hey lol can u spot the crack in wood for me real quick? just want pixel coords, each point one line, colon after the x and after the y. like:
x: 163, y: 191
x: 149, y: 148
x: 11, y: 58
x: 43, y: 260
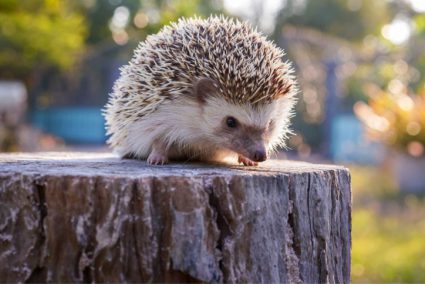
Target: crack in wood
x: 123, y: 221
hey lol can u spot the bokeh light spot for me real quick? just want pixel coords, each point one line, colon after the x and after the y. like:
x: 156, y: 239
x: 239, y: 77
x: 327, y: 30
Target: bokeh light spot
x: 141, y: 20
x: 120, y: 37
x: 120, y: 18
x: 418, y: 5
x: 415, y: 148
x: 398, y: 31
x: 413, y: 128
x: 405, y: 103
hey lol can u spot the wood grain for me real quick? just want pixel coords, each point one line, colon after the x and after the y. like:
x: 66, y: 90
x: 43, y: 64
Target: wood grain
x: 90, y: 217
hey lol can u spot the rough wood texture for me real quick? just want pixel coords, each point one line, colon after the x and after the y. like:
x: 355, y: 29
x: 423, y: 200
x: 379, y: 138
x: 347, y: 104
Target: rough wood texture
x: 73, y: 217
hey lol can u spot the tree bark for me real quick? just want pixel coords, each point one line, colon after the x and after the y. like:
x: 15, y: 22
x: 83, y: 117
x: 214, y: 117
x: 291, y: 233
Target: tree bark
x: 74, y: 217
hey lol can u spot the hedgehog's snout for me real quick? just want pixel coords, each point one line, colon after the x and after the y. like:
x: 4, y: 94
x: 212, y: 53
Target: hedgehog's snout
x: 259, y: 156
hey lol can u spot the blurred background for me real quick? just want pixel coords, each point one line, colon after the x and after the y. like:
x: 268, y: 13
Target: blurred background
x: 360, y: 66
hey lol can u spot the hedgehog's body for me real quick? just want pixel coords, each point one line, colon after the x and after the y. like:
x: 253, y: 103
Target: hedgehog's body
x: 202, y: 89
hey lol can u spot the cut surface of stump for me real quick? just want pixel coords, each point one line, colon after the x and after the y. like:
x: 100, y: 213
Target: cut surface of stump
x: 92, y: 217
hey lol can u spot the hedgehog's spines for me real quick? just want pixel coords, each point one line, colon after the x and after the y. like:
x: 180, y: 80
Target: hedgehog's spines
x: 246, y: 67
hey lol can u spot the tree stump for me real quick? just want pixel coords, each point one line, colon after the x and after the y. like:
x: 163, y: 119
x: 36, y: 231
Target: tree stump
x: 81, y: 217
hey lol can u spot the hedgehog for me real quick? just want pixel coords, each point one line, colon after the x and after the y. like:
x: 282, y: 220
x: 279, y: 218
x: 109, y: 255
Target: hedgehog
x: 209, y: 90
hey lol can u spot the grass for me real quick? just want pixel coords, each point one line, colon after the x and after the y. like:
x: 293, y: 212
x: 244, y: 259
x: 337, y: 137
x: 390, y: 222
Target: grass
x: 388, y: 233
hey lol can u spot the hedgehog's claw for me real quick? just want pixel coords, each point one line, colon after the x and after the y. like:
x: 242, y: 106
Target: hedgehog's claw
x: 246, y: 162
x: 158, y: 155
x: 157, y: 159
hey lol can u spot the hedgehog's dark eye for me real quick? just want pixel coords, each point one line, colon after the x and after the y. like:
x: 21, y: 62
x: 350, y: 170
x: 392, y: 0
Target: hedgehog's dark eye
x: 231, y: 122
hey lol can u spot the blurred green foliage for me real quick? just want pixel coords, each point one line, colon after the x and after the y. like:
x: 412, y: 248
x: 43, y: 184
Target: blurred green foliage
x: 98, y: 14
x: 159, y: 13
x: 172, y: 10
x: 387, y: 230
x: 419, y: 21
x: 387, y: 248
x: 39, y: 33
x: 342, y: 23
x: 43, y: 34
x: 382, y: 61
x: 393, y: 84
x: 403, y: 119
x: 332, y: 16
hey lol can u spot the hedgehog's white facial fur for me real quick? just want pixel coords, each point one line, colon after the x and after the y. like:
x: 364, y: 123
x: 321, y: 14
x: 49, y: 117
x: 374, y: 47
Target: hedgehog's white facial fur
x: 254, y: 130
x: 258, y: 128
x: 190, y: 129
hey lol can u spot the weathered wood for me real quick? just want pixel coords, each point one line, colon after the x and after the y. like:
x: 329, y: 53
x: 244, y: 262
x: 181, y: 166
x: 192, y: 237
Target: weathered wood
x: 73, y: 217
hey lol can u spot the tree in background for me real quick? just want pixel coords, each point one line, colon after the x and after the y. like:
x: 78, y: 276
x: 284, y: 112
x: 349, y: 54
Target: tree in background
x: 68, y: 52
x: 43, y: 34
x: 113, y: 28
x: 318, y: 34
x: 129, y: 21
x: 346, y: 19
x: 38, y: 34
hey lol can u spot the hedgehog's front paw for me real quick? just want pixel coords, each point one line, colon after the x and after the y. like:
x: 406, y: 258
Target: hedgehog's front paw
x: 157, y: 159
x: 246, y: 162
x: 158, y: 155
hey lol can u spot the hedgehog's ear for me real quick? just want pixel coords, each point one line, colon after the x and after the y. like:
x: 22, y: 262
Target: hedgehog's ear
x: 204, y: 88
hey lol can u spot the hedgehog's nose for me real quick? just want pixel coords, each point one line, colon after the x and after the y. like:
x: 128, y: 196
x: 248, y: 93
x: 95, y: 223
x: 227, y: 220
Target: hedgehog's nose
x: 260, y: 155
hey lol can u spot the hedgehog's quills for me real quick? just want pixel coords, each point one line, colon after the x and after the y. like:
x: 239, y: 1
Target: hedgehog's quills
x: 202, y: 90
